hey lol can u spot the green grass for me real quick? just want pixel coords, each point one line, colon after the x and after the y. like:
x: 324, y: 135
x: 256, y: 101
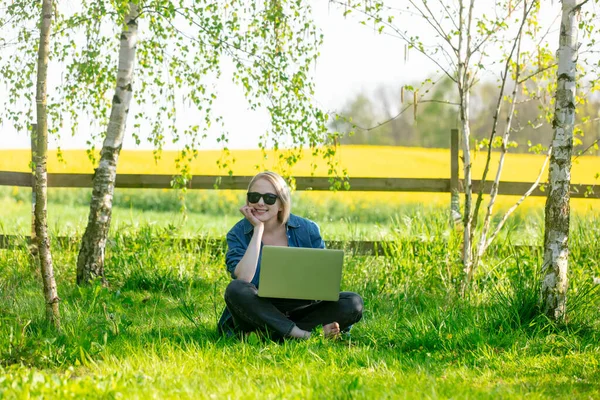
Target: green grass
x: 68, y: 220
x: 151, y: 334
x: 212, y: 214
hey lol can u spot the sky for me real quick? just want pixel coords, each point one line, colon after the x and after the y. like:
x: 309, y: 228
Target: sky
x: 354, y: 59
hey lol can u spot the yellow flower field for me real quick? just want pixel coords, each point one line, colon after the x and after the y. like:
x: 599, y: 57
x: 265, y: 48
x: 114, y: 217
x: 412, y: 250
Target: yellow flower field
x: 361, y: 161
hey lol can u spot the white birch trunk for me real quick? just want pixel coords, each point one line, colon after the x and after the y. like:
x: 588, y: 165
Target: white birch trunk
x: 90, y: 263
x: 481, y: 248
x: 556, y: 235
x: 468, y: 184
x: 517, y: 204
x: 41, y: 173
x: 33, y: 247
x: 485, y: 239
x: 464, y: 92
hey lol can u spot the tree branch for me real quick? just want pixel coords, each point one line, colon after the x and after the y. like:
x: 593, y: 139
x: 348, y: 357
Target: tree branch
x: 435, y: 24
x: 408, y: 106
x: 516, y: 46
x: 536, y: 73
x: 448, y: 14
x: 469, y: 24
x: 513, y: 208
x: 220, y: 41
x: 578, y: 6
x: 401, y: 35
x: 586, y: 149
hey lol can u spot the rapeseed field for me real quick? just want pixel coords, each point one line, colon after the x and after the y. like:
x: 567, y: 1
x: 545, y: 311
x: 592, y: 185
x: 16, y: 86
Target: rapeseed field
x: 360, y: 161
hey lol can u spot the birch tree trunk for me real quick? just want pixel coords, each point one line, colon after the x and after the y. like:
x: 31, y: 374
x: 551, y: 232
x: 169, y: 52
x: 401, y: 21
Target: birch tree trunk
x: 483, y: 240
x: 467, y: 243
x: 90, y: 262
x: 41, y: 174
x: 464, y: 52
x: 33, y: 246
x: 557, y: 213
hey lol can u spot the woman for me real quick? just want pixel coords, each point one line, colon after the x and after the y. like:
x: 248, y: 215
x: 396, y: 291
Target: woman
x: 268, y: 221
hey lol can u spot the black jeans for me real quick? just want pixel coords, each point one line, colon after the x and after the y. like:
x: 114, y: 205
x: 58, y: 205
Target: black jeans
x: 279, y: 316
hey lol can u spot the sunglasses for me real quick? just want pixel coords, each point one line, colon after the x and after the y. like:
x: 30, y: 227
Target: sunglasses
x: 269, y: 198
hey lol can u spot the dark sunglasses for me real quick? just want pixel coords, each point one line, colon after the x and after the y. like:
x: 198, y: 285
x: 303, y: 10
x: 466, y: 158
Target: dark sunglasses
x: 269, y: 198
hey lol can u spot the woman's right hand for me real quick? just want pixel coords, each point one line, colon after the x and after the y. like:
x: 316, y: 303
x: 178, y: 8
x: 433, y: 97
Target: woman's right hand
x: 246, y: 268
x: 248, y: 212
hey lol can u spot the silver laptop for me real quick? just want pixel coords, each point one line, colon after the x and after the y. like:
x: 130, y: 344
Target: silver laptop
x: 300, y: 273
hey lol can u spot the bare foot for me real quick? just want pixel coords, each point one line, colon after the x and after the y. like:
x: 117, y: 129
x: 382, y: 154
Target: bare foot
x: 299, y: 333
x: 331, y: 330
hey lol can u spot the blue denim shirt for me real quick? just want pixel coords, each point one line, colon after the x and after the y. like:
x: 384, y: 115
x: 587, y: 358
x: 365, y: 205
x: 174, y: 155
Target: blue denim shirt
x: 301, y: 232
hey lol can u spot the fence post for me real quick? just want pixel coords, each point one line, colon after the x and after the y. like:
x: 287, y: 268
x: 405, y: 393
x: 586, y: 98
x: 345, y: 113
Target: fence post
x: 455, y: 216
x: 33, y: 249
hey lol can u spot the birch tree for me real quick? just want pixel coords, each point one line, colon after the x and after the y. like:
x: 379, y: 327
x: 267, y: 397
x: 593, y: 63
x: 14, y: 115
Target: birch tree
x: 41, y: 173
x: 457, y: 43
x: 90, y: 262
x: 557, y: 212
x: 272, y: 46
x: 26, y: 50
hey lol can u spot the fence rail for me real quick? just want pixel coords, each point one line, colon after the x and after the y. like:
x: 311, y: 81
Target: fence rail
x: 428, y: 185
x: 362, y: 247
x: 452, y: 185
x: 133, y: 181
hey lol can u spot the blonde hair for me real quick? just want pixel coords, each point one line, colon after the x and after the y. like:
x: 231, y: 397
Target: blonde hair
x: 282, y: 191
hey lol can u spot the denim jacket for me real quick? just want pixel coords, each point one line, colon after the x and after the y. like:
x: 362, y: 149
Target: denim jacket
x: 301, y: 232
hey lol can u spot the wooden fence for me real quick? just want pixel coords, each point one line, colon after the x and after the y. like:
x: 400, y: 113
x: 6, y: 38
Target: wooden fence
x: 452, y: 185
x: 135, y: 181
x: 24, y: 179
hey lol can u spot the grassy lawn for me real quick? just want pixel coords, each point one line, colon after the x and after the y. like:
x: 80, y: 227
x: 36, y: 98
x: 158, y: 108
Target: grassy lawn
x: 412, y: 222
x: 194, y: 367
x: 151, y: 334
x: 70, y: 220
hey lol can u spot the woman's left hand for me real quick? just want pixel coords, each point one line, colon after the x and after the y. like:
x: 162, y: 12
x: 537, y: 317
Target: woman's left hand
x: 248, y: 212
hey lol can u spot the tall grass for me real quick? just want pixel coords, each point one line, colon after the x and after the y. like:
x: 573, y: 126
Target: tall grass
x: 209, y: 212
x: 319, y: 206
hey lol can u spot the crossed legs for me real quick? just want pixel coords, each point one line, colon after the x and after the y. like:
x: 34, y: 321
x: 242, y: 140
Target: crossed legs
x: 290, y: 317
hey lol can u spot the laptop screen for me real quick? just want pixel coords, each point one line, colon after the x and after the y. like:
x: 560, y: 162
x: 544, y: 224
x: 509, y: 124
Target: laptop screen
x: 300, y: 273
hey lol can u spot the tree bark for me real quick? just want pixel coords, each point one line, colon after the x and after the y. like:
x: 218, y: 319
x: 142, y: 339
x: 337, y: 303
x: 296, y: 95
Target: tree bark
x: 464, y: 50
x: 33, y: 247
x: 90, y: 262
x: 557, y: 212
x: 41, y: 174
x: 455, y: 216
x: 468, y: 213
